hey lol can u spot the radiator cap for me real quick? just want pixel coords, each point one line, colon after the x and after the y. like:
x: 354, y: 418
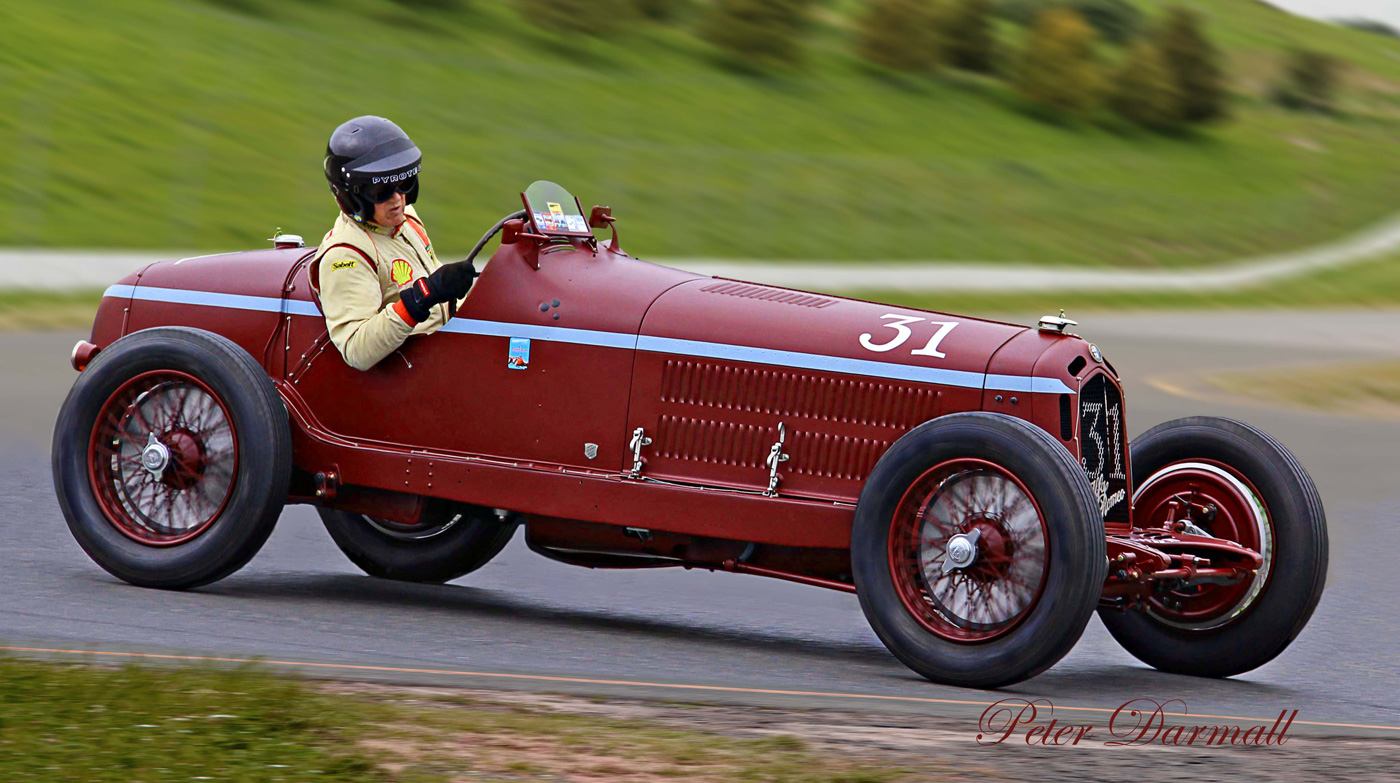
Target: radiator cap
x: 284, y: 241
x: 1056, y: 323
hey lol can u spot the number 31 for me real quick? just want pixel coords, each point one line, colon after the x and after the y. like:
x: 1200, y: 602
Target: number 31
x: 903, y: 332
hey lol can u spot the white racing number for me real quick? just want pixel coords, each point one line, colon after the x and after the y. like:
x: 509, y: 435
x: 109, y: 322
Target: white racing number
x: 1100, y: 475
x: 900, y: 324
x: 902, y: 333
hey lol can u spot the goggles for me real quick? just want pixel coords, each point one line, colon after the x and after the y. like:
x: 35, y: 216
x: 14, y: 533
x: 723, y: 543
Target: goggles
x: 381, y: 192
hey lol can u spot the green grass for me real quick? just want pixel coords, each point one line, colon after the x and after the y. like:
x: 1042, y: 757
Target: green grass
x: 28, y: 309
x: 156, y: 123
x: 69, y: 723
x: 66, y: 722
x: 1364, y: 388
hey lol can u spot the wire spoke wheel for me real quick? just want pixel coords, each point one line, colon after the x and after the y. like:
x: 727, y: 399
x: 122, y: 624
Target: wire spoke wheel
x: 172, y: 457
x: 163, y: 458
x: 1214, y: 499
x: 978, y: 550
x: 968, y: 550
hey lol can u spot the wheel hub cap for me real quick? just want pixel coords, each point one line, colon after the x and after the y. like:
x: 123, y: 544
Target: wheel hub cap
x: 962, y: 550
x: 155, y: 457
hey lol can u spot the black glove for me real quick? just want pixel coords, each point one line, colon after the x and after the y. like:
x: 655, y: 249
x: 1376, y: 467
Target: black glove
x: 449, y: 283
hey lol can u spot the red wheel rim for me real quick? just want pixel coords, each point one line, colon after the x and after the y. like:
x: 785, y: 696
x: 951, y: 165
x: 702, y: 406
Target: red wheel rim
x: 162, y: 458
x: 991, y: 594
x: 1178, y: 491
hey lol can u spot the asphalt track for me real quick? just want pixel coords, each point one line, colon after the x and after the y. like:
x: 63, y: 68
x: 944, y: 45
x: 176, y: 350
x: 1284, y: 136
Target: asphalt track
x: 525, y: 622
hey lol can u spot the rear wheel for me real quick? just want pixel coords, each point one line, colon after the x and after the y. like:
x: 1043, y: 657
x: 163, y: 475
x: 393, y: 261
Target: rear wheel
x: 1241, y: 485
x: 171, y: 458
x: 452, y: 540
x: 978, y: 550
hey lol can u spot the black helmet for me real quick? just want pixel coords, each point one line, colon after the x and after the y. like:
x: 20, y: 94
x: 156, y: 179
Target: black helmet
x: 367, y: 160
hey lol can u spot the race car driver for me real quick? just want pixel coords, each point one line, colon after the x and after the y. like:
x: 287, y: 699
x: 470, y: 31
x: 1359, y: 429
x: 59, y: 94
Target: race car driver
x: 375, y: 272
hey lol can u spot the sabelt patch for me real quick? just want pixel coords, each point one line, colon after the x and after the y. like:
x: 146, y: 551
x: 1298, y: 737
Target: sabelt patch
x: 348, y: 263
x: 400, y: 272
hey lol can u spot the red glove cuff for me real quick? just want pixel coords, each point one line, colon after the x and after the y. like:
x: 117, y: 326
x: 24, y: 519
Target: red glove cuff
x: 402, y: 312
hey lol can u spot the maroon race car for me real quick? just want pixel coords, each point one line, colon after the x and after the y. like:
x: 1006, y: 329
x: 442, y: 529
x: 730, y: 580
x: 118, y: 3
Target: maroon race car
x: 969, y: 480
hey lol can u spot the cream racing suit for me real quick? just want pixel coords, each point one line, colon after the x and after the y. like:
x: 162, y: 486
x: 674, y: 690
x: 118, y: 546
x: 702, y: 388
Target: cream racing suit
x: 358, y: 272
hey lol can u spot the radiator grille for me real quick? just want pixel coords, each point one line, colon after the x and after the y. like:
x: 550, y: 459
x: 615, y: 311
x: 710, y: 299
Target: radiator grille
x: 1103, y: 447
x: 794, y: 394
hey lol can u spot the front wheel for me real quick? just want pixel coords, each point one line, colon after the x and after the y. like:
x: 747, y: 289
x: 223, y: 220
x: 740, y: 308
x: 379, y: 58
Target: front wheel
x: 171, y: 458
x: 978, y: 550
x: 1243, y: 486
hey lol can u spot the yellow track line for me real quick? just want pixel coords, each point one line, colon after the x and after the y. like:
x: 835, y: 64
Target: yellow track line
x: 1160, y: 383
x: 634, y: 683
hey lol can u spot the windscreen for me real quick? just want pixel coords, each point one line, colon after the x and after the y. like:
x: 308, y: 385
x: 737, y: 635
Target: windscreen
x: 554, y: 212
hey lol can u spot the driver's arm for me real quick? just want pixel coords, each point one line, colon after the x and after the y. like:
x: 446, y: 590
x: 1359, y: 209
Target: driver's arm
x: 360, y: 326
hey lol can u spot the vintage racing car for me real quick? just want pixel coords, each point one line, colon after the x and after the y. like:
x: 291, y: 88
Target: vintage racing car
x: 969, y: 481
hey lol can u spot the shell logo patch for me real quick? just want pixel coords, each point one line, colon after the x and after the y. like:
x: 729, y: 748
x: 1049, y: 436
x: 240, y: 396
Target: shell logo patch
x: 400, y: 272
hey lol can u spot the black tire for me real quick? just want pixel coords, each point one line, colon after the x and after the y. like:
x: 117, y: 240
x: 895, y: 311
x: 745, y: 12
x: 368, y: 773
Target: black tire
x: 1297, y: 569
x: 1073, y: 571
x: 256, y: 490
x: 453, y: 541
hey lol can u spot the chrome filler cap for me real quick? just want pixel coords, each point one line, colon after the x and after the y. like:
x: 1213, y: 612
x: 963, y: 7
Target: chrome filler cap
x: 1056, y: 323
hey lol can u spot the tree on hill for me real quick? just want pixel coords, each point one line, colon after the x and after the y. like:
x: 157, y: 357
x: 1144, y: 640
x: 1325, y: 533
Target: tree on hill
x: 902, y: 35
x: 969, y: 41
x: 590, y: 17
x: 1143, y: 90
x: 1117, y: 21
x: 1369, y: 26
x: 1057, y: 72
x: 1309, y: 81
x: 1195, y: 64
x: 761, y: 33
x: 663, y: 10
x: 439, y: 5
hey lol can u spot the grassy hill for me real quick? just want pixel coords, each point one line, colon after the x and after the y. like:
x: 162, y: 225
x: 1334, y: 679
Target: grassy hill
x: 201, y: 124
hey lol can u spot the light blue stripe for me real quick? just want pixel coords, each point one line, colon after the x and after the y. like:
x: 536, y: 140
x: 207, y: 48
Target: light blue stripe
x: 263, y: 304
x: 559, y: 334
x: 1027, y: 385
x: 556, y: 334
x: 811, y: 361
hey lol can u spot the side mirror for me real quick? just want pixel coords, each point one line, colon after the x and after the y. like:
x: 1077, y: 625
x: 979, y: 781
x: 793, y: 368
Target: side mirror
x: 510, y: 232
x: 602, y: 218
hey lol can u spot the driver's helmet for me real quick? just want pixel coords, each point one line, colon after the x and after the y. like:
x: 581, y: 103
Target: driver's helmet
x: 368, y: 159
